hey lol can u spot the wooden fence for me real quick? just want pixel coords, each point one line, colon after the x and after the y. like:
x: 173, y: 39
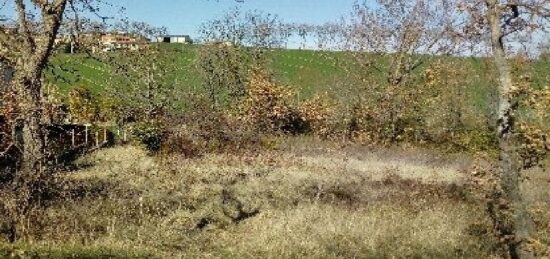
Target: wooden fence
x: 63, y: 142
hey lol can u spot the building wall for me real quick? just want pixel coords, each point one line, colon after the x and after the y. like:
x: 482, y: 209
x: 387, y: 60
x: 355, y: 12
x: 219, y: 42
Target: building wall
x: 179, y: 40
x: 173, y: 39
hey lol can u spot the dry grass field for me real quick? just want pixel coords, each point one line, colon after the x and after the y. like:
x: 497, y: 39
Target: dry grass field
x: 303, y: 199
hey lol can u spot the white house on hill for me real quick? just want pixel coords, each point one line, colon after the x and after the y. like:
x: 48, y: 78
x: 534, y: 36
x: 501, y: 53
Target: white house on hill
x: 183, y: 39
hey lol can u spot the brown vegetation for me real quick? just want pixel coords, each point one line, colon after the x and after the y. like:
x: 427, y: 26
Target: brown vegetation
x: 305, y: 199
x: 246, y: 168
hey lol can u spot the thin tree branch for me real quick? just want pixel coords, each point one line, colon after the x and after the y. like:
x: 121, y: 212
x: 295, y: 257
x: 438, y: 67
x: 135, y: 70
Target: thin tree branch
x: 24, y: 28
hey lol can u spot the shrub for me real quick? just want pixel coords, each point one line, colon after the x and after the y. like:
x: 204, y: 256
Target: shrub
x: 149, y: 135
x: 179, y: 141
x: 267, y: 106
x: 223, y: 72
x: 83, y: 105
x: 207, y: 130
x: 319, y: 115
x: 359, y: 128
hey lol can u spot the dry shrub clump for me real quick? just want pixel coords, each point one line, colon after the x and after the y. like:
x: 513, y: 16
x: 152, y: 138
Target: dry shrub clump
x: 361, y: 126
x: 207, y: 129
x: 267, y: 106
x: 217, y: 133
x: 319, y: 113
x: 534, y: 133
x: 266, y: 110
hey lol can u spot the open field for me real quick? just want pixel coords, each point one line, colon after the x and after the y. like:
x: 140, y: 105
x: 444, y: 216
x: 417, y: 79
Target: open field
x: 399, y: 129
x: 302, y: 199
x: 307, y: 71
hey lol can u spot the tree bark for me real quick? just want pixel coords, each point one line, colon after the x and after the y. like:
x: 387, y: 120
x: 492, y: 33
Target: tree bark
x: 34, y: 57
x: 32, y: 144
x: 36, y: 49
x: 516, y: 222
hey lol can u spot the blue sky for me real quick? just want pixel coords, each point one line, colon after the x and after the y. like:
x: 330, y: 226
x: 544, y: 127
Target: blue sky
x: 185, y: 16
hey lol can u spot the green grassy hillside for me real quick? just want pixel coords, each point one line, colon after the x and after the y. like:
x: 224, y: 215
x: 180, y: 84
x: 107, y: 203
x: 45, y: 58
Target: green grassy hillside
x: 307, y: 71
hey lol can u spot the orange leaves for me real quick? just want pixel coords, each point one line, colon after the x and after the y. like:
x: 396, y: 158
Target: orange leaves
x: 533, y: 131
x: 267, y: 106
x: 535, y: 144
x: 319, y: 113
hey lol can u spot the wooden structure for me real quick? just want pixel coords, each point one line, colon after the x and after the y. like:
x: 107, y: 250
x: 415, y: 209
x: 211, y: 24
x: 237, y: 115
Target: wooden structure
x: 116, y: 41
x: 66, y: 142
x: 63, y: 143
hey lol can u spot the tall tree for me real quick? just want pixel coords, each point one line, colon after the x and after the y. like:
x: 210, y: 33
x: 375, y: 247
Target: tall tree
x: 235, y: 43
x: 144, y: 82
x: 500, y: 21
x: 27, y: 45
x: 34, y: 45
x: 395, y: 38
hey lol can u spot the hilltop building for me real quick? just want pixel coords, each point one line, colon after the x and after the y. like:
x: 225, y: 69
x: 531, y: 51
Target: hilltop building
x: 115, y: 41
x: 181, y: 39
x: 105, y: 42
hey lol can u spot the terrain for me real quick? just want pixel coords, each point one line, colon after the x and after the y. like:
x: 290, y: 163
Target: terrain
x: 307, y: 71
x: 302, y: 198
x: 298, y: 195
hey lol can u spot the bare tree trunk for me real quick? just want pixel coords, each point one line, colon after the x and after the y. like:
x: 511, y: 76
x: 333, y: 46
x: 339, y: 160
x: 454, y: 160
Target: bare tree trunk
x: 37, y: 50
x: 31, y: 143
x: 395, y: 78
x: 514, y: 223
x: 34, y: 52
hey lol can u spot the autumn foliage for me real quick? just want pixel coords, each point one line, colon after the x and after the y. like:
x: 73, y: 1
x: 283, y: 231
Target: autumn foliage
x: 267, y: 106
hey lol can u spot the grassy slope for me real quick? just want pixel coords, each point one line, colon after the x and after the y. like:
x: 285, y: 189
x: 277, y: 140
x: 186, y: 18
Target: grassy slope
x: 309, y: 72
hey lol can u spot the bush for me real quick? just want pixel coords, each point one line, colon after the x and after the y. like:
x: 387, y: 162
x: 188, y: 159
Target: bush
x: 151, y: 136
x: 83, y: 105
x: 207, y: 130
x: 267, y: 107
x: 319, y: 115
x: 180, y: 141
x: 223, y: 72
